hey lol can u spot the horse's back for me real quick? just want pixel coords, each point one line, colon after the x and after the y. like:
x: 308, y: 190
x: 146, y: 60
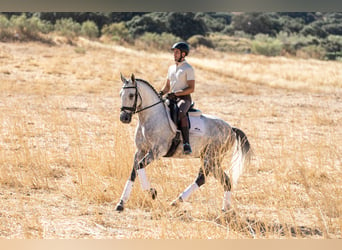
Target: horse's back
x: 215, y: 126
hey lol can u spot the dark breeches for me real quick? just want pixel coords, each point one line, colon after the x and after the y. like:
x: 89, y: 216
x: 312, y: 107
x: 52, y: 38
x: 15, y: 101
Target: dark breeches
x: 183, y: 104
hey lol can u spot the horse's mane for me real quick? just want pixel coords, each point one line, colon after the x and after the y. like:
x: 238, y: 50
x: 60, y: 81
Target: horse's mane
x: 148, y: 84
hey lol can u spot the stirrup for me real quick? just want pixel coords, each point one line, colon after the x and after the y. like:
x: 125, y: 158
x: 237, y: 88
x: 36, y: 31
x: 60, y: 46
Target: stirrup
x: 187, y: 149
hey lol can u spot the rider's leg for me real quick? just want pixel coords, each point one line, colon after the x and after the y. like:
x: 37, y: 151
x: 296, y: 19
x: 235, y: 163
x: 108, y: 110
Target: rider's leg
x: 184, y: 106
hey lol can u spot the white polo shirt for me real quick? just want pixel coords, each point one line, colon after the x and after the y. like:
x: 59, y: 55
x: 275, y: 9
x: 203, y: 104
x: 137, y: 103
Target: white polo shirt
x: 179, y: 75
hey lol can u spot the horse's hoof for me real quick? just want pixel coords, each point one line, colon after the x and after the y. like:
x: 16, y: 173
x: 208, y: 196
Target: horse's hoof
x: 153, y: 193
x: 226, y: 209
x: 119, y: 206
x: 175, y: 203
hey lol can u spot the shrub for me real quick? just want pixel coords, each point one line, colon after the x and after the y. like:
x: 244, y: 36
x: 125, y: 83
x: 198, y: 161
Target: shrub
x: 118, y: 32
x: 314, y: 29
x: 230, y: 43
x: 293, y: 42
x: 162, y: 41
x: 199, y: 40
x: 5, y: 33
x: 89, y: 29
x: 4, y: 22
x: 311, y: 51
x: 23, y: 28
x: 267, y: 46
x: 67, y: 27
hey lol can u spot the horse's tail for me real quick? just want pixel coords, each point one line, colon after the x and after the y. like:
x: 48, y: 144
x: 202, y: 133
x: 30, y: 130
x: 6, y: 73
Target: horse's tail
x: 241, y: 154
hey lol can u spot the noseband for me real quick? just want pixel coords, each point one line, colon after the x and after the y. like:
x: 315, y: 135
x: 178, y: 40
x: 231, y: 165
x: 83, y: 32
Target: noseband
x: 133, y: 109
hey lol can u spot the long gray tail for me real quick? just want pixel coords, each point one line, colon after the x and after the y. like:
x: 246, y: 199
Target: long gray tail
x: 244, y: 143
x: 241, y: 154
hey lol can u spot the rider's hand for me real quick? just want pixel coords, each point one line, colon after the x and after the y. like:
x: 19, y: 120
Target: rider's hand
x: 171, y: 96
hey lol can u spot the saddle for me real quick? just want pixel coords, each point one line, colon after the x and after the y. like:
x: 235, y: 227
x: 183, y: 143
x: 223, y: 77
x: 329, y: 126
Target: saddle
x: 174, y: 113
x: 175, y: 118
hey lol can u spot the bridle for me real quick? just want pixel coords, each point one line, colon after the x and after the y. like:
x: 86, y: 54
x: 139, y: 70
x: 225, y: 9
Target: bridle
x: 133, y: 109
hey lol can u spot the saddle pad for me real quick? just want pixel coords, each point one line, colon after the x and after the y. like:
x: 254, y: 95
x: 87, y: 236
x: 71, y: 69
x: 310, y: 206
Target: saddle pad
x: 196, y: 121
x: 197, y: 125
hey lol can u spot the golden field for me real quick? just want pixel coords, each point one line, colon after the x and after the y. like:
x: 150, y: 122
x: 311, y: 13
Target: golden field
x: 65, y: 156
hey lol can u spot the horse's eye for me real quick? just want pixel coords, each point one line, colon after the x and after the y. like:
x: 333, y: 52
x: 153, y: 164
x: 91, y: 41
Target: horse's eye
x: 131, y: 96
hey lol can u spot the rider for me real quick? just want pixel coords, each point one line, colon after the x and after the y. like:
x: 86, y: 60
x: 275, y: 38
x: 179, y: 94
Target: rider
x: 180, y: 83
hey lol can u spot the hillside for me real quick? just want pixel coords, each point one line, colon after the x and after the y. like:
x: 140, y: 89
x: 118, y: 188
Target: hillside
x: 297, y: 34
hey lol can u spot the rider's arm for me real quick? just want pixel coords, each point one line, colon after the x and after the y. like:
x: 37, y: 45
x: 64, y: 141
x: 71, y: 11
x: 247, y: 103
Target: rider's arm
x: 188, y: 90
x: 166, y: 87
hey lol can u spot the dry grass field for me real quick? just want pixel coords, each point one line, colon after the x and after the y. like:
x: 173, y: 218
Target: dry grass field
x: 65, y: 156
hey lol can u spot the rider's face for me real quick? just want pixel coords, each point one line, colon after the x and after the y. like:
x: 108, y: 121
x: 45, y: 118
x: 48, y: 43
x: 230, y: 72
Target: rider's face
x: 176, y: 54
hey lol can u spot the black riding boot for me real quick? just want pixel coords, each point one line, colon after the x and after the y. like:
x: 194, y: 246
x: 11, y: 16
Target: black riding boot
x: 186, y: 145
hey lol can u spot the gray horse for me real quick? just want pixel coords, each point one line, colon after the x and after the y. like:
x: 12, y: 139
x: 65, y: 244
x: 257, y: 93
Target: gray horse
x: 210, y: 137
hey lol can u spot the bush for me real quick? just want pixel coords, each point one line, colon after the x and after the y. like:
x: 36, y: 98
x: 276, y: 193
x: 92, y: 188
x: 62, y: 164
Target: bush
x: 67, y: 27
x: 89, y: 29
x: 162, y: 41
x: 230, y: 43
x: 199, y: 40
x: 291, y: 25
x: 5, y: 33
x: 118, y: 32
x: 293, y: 42
x: 266, y: 45
x: 22, y: 28
x: 4, y: 22
x: 314, y: 29
x: 311, y: 51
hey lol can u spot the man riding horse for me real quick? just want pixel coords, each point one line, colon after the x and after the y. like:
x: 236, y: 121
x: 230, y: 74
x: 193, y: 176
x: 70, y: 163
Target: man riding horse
x: 180, y: 83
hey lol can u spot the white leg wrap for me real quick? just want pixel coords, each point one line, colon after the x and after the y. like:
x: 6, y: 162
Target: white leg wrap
x: 227, y: 200
x: 127, y: 191
x: 188, y: 191
x: 145, y: 184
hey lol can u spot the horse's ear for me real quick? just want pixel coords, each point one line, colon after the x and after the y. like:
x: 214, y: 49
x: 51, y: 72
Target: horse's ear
x: 133, y: 77
x: 123, y: 79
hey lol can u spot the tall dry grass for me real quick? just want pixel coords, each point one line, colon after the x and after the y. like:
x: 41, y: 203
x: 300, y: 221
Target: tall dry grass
x: 65, y: 157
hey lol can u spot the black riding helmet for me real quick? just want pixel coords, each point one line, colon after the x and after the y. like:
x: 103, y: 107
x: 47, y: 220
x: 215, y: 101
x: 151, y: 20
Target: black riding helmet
x: 182, y: 46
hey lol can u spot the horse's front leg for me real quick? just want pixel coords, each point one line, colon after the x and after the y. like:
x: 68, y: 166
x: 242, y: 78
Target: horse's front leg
x: 140, y: 169
x: 141, y: 160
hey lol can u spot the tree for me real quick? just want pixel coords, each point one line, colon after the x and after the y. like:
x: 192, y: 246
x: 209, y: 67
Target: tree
x: 184, y: 25
x: 255, y: 23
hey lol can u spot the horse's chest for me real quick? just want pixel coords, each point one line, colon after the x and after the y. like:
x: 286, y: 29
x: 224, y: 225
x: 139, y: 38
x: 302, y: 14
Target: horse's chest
x: 149, y: 132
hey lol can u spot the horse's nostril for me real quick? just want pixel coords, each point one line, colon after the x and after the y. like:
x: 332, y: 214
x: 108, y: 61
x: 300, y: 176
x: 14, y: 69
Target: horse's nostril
x: 125, y: 117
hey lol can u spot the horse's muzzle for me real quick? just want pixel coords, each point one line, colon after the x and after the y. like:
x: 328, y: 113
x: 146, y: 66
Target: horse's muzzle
x: 125, y: 117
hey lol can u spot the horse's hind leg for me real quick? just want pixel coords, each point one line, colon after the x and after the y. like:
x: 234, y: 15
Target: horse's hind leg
x: 213, y: 159
x: 208, y: 164
x: 200, y: 180
x: 220, y: 175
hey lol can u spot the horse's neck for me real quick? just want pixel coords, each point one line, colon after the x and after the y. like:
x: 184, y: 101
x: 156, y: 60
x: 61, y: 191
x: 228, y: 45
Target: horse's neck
x: 147, y: 94
x: 148, y: 98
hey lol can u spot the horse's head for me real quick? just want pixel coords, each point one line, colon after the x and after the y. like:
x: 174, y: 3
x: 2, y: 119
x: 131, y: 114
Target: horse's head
x: 129, y: 98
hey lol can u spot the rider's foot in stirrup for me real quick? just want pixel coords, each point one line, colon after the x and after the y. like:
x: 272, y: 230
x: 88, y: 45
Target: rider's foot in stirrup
x: 187, y: 149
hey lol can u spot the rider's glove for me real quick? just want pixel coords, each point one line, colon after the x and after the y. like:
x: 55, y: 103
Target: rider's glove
x: 171, y: 96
